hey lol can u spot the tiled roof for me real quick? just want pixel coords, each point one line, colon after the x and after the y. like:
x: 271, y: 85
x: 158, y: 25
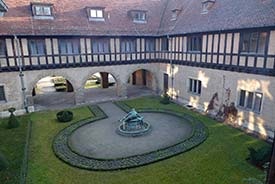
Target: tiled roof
x: 224, y: 15
x: 70, y: 17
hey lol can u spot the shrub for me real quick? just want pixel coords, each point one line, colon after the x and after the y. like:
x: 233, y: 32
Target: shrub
x: 13, y: 121
x: 3, y: 162
x: 64, y: 116
x: 260, y: 156
x: 165, y: 99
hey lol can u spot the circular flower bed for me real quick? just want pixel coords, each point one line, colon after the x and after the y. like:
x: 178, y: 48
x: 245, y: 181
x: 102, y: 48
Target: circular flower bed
x: 66, y: 154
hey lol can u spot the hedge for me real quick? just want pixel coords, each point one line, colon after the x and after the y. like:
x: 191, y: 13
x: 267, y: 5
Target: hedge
x: 63, y: 151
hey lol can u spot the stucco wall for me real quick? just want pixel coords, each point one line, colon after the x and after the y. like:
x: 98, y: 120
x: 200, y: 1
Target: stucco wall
x: 213, y: 81
x: 216, y: 81
x: 76, y: 76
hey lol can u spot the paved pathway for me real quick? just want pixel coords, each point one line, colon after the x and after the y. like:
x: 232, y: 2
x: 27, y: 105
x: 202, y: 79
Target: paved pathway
x: 61, y: 100
x: 100, y: 140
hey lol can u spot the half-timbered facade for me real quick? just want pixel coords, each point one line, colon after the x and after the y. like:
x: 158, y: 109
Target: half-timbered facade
x: 220, y: 52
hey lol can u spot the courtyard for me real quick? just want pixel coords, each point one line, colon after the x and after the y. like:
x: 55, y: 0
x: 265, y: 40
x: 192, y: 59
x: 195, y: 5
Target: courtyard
x: 137, y: 92
x: 220, y: 158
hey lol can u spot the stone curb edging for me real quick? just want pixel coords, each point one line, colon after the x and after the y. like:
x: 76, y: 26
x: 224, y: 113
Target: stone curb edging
x: 62, y: 150
x: 24, y: 167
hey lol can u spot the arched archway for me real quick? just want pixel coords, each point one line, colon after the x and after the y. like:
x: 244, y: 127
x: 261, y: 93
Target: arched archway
x: 141, y: 82
x: 53, y: 92
x: 100, y: 86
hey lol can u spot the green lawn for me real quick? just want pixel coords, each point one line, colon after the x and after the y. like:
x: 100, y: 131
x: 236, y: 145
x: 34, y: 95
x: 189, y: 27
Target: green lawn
x: 12, y: 143
x: 219, y: 160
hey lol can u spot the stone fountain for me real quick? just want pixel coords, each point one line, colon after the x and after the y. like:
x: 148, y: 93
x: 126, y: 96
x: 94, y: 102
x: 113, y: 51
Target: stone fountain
x: 133, y: 125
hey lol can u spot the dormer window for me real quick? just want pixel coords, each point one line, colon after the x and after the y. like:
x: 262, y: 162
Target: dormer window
x: 207, y: 5
x: 175, y: 13
x: 96, y: 13
x: 138, y: 16
x: 42, y: 11
x: 3, y: 8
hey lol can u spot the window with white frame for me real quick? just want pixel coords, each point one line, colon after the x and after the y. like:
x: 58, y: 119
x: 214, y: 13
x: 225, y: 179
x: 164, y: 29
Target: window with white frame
x: 194, y: 86
x: 3, y: 8
x: 207, y: 5
x: 36, y: 47
x: 69, y: 46
x: 128, y: 45
x: 2, y: 94
x: 175, y: 14
x: 253, y: 42
x: 96, y: 13
x: 138, y: 16
x: 194, y: 43
x: 42, y: 10
x: 251, y: 100
x: 100, y: 45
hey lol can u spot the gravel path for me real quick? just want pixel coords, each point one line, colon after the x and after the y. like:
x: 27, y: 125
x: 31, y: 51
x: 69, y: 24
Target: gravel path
x: 100, y: 140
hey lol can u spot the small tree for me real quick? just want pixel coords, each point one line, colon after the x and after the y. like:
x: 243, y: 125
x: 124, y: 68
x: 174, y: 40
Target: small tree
x: 13, y: 121
x: 3, y: 162
x: 165, y: 99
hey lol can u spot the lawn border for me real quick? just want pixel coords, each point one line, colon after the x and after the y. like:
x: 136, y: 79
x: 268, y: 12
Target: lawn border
x: 25, y: 162
x: 62, y: 149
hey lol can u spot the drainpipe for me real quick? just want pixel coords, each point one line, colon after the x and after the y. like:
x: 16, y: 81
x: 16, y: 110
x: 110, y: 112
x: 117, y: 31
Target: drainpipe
x: 21, y: 74
x: 171, y: 66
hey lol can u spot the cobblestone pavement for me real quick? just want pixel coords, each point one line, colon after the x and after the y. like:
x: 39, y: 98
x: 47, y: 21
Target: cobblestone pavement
x: 100, y: 140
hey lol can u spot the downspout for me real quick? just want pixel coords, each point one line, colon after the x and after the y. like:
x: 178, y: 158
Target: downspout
x: 21, y: 74
x: 171, y: 65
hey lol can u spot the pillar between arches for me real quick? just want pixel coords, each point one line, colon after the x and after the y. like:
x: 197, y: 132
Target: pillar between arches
x: 79, y: 96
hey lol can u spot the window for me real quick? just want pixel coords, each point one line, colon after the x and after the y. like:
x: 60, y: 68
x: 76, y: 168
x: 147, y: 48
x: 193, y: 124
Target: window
x: 207, y: 5
x: 2, y: 48
x: 258, y: 102
x: 194, y: 43
x: 175, y: 13
x: 242, y: 98
x: 41, y: 10
x: 96, y: 13
x: 100, y: 45
x: 128, y: 45
x: 150, y: 45
x: 251, y: 100
x: 164, y: 44
x: 37, y: 47
x: 194, y: 86
x: 69, y: 46
x: 3, y: 8
x: 138, y: 16
x: 253, y: 42
x: 2, y: 94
